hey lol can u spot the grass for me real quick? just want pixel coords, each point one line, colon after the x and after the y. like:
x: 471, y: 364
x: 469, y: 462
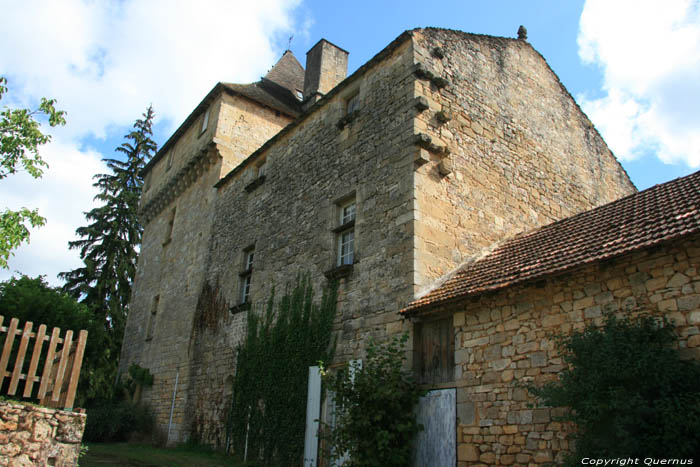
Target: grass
x: 143, y: 455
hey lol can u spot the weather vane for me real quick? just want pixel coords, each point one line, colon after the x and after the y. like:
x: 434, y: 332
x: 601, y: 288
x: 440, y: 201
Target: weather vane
x: 289, y: 44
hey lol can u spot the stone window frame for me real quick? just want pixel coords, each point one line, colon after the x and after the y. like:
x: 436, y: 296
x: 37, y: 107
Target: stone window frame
x: 171, y: 156
x: 343, y: 222
x: 169, y: 230
x: 246, y: 275
x: 258, y: 171
x: 351, y: 108
x: 150, y: 327
x: 345, y: 232
x: 352, y: 102
x: 205, y: 122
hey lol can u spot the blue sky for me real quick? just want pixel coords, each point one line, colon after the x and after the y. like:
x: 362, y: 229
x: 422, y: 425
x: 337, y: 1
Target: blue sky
x: 633, y: 66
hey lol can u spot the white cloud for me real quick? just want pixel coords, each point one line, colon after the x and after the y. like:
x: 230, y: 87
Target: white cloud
x: 61, y: 195
x: 106, y: 62
x: 649, y: 52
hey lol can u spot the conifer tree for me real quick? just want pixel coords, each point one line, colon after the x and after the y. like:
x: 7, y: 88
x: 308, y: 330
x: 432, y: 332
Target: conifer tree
x: 109, y: 244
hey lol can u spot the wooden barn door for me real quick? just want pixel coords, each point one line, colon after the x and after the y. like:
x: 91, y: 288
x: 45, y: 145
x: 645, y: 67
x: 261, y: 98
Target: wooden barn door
x: 436, y: 445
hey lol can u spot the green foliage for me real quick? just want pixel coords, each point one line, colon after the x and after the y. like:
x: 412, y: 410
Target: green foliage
x: 630, y: 393
x: 32, y: 299
x: 140, y: 375
x: 116, y: 421
x: 109, y: 244
x: 375, y: 418
x: 270, y: 384
x: 20, y: 138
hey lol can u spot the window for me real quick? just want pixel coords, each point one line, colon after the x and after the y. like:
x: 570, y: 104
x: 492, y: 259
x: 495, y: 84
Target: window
x: 353, y: 103
x: 260, y: 168
x: 434, y: 351
x: 171, y: 155
x: 169, y: 229
x: 300, y: 95
x: 205, y: 122
x: 246, y: 274
x: 346, y: 233
x: 152, y: 318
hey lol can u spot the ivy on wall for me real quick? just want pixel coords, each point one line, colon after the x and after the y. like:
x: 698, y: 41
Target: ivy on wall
x: 268, y: 412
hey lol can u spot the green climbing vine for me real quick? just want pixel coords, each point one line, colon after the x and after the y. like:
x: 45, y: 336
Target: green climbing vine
x: 268, y: 412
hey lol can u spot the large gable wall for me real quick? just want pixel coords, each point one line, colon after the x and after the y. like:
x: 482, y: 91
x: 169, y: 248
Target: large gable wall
x: 522, y: 154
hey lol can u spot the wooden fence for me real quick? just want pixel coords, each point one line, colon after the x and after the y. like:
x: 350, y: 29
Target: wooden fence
x: 59, y: 378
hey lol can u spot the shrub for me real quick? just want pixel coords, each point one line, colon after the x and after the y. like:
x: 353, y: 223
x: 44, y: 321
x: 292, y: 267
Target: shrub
x: 117, y: 421
x: 629, y: 392
x: 375, y: 418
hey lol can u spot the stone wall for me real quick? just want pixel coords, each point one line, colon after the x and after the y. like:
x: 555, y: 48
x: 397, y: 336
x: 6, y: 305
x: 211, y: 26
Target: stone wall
x: 512, y: 165
x: 507, y: 338
x: 289, y: 219
x: 32, y: 435
x: 521, y: 152
x: 174, y: 249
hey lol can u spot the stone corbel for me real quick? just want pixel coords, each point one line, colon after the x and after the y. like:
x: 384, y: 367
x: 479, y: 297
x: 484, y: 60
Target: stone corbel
x: 426, y: 142
x: 423, y: 73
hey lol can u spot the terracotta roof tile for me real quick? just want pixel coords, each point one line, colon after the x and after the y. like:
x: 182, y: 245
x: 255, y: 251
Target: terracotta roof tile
x: 660, y: 213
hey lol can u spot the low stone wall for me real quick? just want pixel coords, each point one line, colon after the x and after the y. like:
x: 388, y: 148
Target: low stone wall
x: 508, y: 338
x: 32, y: 435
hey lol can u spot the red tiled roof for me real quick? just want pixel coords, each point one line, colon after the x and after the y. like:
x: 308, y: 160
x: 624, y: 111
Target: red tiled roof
x: 660, y: 213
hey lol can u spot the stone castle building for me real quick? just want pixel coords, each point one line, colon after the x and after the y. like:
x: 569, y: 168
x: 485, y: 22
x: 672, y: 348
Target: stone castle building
x: 430, y: 156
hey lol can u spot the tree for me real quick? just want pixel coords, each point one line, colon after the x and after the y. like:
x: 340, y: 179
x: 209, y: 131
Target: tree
x: 629, y: 392
x: 20, y: 138
x: 109, y: 244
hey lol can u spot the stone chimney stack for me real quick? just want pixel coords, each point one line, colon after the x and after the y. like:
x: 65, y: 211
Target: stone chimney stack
x: 326, y: 66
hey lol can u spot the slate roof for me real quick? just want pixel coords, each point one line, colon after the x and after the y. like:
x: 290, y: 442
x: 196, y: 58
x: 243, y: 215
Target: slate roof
x: 659, y: 214
x: 287, y: 72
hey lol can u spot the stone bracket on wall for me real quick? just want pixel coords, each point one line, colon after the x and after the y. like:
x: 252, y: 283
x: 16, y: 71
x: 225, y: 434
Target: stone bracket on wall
x: 195, y: 167
x: 422, y: 72
x: 425, y: 146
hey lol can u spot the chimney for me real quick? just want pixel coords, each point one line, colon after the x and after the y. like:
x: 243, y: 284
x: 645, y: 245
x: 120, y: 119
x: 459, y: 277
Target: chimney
x: 326, y: 66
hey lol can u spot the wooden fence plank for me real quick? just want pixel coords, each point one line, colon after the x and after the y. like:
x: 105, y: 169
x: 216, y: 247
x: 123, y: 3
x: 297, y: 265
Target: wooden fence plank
x: 19, y: 362
x: 75, y: 372
x: 7, y: 348
x: 48, y: 364
x: 65, y: 352
x: 59, y: 378
x: 36, y: 354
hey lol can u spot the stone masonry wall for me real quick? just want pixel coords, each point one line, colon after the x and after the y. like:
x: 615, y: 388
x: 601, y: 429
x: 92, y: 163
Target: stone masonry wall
x: 174, y: 250
x: 522, y: 154
x: 32, y: 435
x: 290, y: 218
x: 507, y: 338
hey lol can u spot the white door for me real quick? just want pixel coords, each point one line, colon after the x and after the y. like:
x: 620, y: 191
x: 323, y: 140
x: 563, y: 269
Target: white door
x: 436, y: 445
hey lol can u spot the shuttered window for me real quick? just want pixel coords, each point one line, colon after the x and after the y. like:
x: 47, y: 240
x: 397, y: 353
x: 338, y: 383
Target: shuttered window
x: 434, y: 351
